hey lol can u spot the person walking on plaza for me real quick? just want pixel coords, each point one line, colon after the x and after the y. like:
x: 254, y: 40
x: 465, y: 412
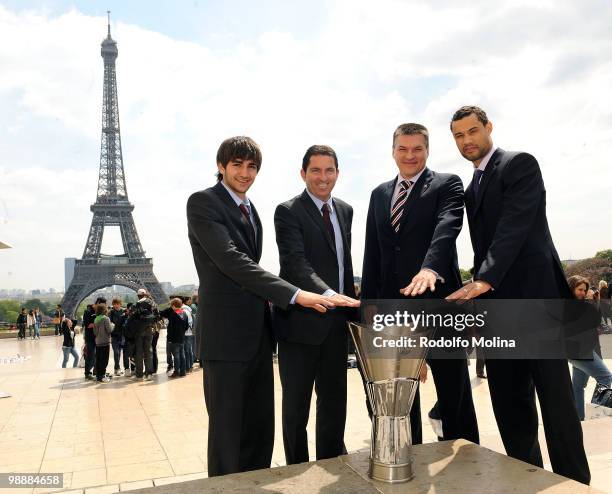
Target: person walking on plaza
x: 177, y: 325
x: 102, y: 329
x: 31, y: 322
x: 116, y: 315
x: 583, y: 369
x: 37, y: 323
x: 129, y: 340
x: 58, y: 315
x: 515, y: 258
x: 188, y: 333
x: 68, y: 349
x: 22, y: 322
x: 144, y: 316
x: 90, y: 339
x: 196, y: 334
x: 604, y: 302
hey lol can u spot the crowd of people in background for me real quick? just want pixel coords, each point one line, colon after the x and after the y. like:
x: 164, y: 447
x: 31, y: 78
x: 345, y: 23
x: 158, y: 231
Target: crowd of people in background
x: 132, y: 333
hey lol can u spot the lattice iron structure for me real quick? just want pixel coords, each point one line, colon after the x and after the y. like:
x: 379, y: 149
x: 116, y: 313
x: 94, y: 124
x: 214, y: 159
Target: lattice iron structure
x: 112, y: 208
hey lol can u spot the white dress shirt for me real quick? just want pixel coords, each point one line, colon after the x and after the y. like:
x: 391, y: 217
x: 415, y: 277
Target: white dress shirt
x: 333, y: 216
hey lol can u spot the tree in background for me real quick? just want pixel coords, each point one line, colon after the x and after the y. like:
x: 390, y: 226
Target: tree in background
x: 604, y: 254
x: 594, y: 269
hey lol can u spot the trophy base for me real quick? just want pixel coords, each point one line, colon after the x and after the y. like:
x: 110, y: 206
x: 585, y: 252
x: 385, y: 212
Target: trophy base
x: 391, y: 474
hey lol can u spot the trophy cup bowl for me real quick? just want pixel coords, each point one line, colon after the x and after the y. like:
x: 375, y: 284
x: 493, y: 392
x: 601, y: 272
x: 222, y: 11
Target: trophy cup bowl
x: 392, y: 378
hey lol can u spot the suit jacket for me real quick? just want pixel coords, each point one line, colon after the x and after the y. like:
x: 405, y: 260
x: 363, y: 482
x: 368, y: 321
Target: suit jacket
x: 513, y: 248
x: 234, y: 290
x: 308, y: 260
x: 430, y: 224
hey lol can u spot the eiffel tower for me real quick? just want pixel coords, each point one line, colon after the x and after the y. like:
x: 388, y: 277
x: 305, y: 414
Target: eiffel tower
x: 95, y: 270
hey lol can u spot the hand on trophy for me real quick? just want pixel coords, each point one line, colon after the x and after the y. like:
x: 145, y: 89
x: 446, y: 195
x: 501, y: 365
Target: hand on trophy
x: 469, y: 291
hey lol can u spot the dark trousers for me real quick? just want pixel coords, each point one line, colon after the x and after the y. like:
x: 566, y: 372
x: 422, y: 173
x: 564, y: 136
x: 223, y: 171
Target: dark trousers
x: 90, y: 357
x: 169, y: 359
x: 117, y: 345
x: 128, y: 351
x: 323, y: 366
x: 102, y: 355
x: 154, y: 359
x: 178, y: 354
x: 455, y: 404
x: 142, y: 351
x: 513, y: 384
x: 239, y: 399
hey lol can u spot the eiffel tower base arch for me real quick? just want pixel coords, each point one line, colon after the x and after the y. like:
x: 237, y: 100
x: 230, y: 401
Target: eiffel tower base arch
x: 91, y: 277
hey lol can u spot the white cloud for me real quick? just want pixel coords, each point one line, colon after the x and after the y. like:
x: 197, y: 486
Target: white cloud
x: 541, y: 71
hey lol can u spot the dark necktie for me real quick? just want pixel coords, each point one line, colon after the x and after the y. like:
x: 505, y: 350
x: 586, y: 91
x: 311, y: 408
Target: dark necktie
x: 328, y: 223
x: 247, y: 214
x: 476, y: 181
x: 398, y: 207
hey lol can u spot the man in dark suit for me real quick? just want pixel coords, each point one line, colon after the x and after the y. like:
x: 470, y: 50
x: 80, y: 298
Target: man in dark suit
x: 515, y: 258
x: 413, y: 222
x: 313, y: 233
x: 236, y: 343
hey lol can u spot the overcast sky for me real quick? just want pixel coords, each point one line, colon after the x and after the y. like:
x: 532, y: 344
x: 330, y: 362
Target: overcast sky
x: 343, y: 73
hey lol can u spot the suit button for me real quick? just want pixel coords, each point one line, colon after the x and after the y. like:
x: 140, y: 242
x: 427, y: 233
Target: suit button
x: 397, y: 248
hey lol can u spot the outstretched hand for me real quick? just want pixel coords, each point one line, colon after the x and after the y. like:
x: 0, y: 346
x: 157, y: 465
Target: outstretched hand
x: 470, y: 291
x: 423, y: 280
x: 344, y: 301
x: 321, y: 303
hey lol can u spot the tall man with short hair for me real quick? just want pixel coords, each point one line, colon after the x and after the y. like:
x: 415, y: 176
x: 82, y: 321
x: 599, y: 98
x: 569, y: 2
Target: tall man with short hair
x: 412, y: 225
x: 313, y: 233
x: 226, y: 235
x: 515, y: 258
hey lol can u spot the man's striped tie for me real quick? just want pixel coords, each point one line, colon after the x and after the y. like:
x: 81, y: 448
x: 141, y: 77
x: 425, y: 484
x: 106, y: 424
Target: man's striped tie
x: 398, y: 208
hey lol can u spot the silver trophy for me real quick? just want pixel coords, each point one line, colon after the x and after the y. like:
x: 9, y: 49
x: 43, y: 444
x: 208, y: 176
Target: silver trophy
x: 392, y: 377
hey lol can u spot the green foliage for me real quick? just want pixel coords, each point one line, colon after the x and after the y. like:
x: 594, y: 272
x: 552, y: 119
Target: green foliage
x: 604, y: 254
x: 11, y: 317
x: 466, y: 275
x: 44, y: 307
x: 9, y: 309
x: 594, y: 269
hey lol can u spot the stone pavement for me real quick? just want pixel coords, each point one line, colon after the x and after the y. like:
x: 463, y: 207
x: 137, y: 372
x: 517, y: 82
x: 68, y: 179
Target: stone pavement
x: 128, y: 434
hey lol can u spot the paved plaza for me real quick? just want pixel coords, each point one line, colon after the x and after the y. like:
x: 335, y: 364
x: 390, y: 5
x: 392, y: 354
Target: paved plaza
x: 129, y: 434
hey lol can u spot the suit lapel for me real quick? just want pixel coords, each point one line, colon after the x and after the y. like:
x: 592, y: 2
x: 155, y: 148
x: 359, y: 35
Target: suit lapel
x: 387, y: 197
x: 469, y: 200
x: 316, y: 215
x: 486, y: 177
x: 237, y: 218
x: 420, y: 187
x: 340, y: 212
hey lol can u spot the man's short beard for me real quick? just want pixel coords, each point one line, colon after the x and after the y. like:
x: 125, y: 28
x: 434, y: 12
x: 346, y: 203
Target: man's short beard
x: 481, y: 154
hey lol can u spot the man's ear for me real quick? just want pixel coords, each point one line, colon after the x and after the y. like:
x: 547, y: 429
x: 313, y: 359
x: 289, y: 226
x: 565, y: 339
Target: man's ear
x: 489, y: 127
x: 303, y: 174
